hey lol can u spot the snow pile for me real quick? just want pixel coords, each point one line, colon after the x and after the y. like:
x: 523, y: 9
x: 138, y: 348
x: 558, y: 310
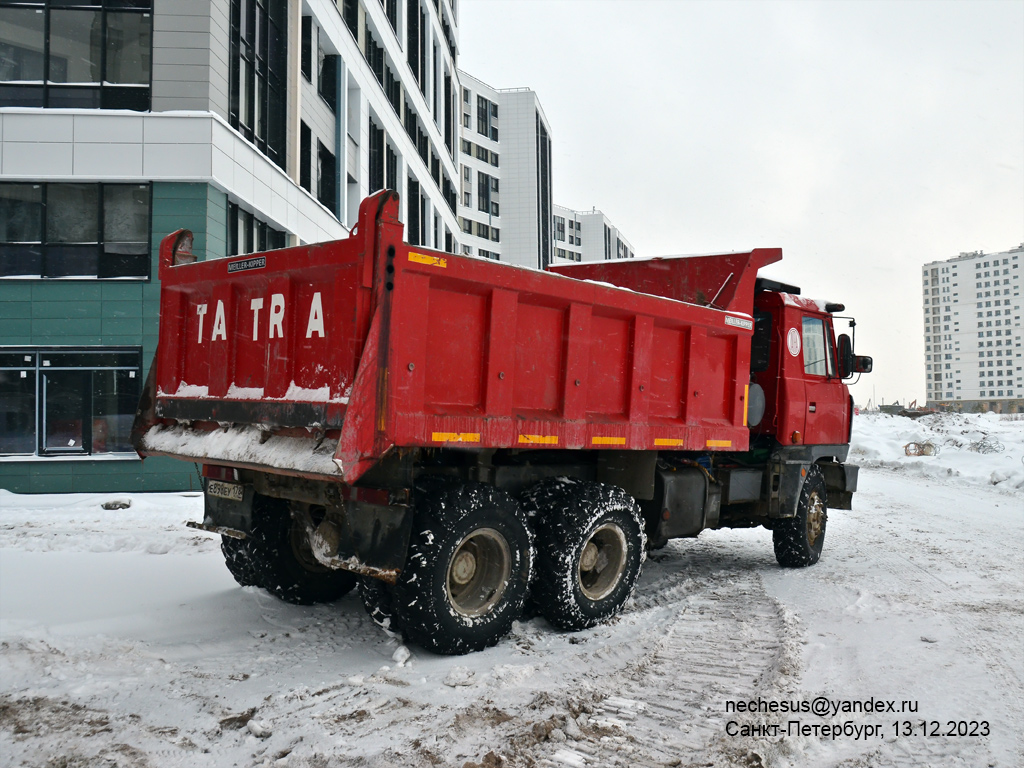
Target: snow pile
x: 150, y: 523
x: 983, y: 448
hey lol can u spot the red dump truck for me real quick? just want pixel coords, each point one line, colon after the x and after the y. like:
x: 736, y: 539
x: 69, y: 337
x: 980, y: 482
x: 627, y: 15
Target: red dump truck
x: 461, y: 438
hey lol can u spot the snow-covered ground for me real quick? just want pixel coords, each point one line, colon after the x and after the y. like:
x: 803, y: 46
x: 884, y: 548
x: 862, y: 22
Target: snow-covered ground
x: 124, y: 641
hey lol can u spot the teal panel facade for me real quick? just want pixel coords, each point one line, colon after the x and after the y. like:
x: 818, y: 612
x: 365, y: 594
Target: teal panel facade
x: 69, y: 312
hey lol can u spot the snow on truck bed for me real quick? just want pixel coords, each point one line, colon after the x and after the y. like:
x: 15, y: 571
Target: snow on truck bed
x: 124, y: 641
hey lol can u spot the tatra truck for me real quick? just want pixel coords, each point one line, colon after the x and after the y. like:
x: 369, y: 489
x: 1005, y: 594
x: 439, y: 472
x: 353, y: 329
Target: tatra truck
x: 463, y: 440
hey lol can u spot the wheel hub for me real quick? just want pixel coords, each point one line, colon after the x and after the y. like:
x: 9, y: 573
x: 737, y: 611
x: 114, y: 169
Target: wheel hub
x: 589, y: 558
x: 816, y: 517
x: 463, y: 567
x: 478, y: 572
x: 602, y: 562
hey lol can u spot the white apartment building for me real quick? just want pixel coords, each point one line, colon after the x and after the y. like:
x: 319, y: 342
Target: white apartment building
x: 254, y: 123
x: 972, y: 309
x: 288, y: 111
x: 505, y: 190
x: 587, y: 236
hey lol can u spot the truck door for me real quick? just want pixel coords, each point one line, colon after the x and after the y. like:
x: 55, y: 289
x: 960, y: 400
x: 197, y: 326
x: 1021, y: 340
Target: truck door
x: 826, y: 402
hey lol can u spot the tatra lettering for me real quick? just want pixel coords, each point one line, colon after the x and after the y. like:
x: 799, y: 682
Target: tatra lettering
x: 274, y: 322
x: 201, y: 311
x: 256, y: 305
x: 276, y: 314
x: 219, y: 324
x: 316, y: 317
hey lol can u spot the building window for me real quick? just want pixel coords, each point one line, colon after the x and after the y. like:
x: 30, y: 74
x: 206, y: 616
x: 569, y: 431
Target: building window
x: 560, y: 232
x: 391, y: 11
x: 305, y: 63
x: 327, y: 78
x: 483, y: 192
x: 258, y: 73
x: 248, y: 234
x: 305, y: 157
x: 376, y: 152
x: 74, y: 230
x: 486, y: 118
x: 350, y: 13
x: 327, y: 178
x: 66, y: 402
x: 76, y: 57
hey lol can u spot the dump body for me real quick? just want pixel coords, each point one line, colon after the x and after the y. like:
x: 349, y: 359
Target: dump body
x: 369, y: 345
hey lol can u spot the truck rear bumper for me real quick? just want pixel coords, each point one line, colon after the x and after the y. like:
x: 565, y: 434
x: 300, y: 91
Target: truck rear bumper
x: 244, y: 447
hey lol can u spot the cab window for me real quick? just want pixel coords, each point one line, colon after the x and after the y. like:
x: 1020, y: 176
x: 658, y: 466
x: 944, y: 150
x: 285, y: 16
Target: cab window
x: 816, y: 356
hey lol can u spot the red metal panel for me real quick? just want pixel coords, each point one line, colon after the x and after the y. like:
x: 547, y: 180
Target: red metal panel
x: 597, y: 344
x: 456, y: 334
x: 501, y: 353
x: 725, y: 281
x: 639, y: 380
x: 198, y: 326
x: 577, y: 346
x: 610, y: 339
x: 667, y: 375
x: 219, y: 350
x: 539, y: 371
x: 412, y: 300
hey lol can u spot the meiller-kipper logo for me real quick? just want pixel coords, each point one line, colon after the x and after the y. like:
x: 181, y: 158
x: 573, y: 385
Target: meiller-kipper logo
x: 273, y: 320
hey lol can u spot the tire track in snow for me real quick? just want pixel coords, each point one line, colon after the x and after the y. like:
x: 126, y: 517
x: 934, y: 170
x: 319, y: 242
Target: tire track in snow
x: 728, y: 640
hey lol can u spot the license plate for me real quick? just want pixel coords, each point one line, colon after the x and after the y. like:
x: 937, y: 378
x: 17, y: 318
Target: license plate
x: 231, y: 491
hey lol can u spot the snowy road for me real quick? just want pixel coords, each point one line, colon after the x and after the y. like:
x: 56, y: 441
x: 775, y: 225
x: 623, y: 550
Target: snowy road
x: 124, y: 641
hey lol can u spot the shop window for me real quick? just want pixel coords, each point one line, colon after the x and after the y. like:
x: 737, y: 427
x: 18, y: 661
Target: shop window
x: 68, y: 402
x: 74, y: 230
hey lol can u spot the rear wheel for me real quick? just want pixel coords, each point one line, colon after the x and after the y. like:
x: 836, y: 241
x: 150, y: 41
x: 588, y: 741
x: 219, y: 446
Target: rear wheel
x: 283, y: 561
x: 468, y: 570
x: 379, y: 601
x: 238, y: 559
x: 799, y: 540
x: 590, y: 549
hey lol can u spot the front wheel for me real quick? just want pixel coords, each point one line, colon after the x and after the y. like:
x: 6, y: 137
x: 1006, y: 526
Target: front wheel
x: 468, y: 570
x: 590, y: 548
x: 799, y: 540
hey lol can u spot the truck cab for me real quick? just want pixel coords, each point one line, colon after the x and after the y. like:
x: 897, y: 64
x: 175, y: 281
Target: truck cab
x: 795, y: 361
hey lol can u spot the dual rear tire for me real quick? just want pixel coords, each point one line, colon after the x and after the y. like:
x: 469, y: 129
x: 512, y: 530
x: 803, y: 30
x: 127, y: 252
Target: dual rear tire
x: 590, y: 549
x: 276, y: 556
x: 573, y: 548
x: 467, y: 574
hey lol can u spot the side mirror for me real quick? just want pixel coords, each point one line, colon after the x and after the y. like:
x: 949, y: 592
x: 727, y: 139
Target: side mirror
x: 846, y: 358
x: 862, y: 364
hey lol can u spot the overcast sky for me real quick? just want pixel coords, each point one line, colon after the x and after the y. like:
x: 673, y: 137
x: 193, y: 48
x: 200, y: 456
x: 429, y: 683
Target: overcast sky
x: 865, y: 138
